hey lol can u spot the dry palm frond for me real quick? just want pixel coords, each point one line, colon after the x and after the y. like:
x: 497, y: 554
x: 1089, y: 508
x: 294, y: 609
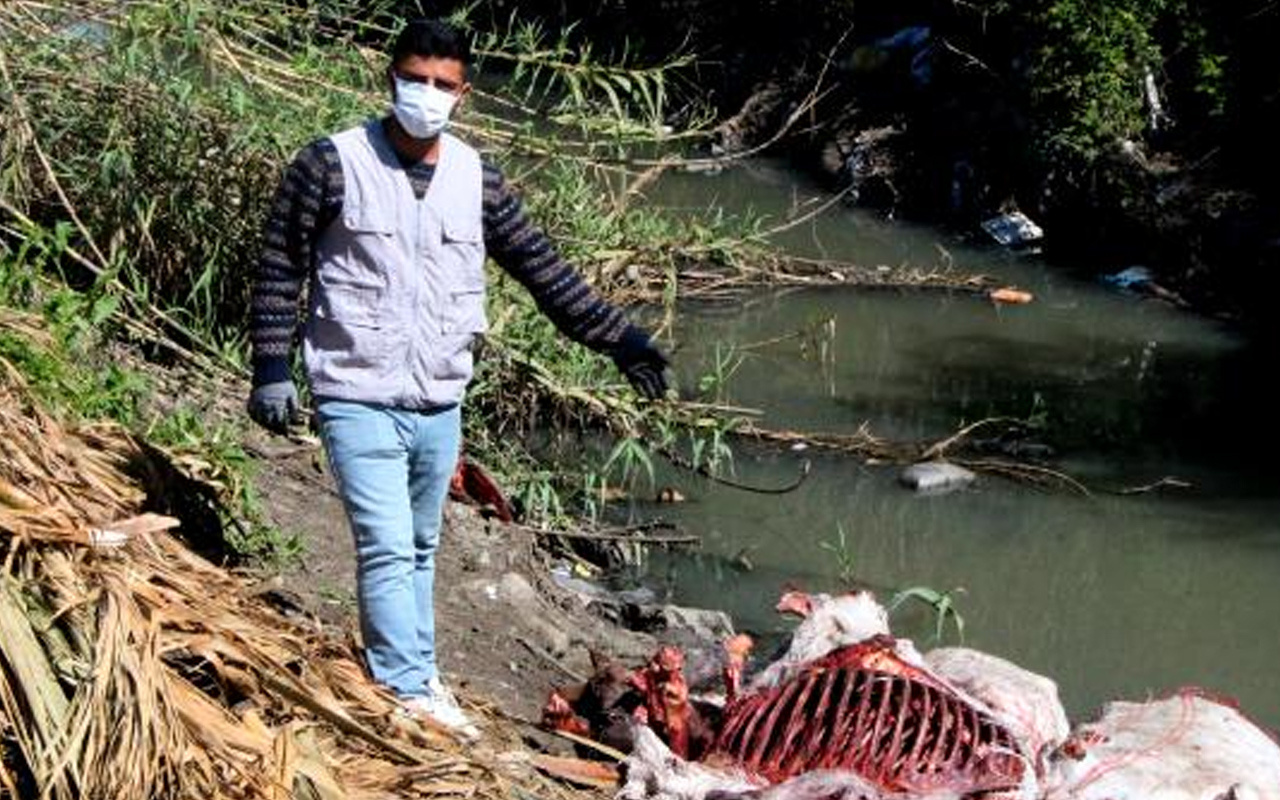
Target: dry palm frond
x: 132, y: 668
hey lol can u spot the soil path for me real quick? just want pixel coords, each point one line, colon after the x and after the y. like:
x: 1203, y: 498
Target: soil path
x: 506, y: 632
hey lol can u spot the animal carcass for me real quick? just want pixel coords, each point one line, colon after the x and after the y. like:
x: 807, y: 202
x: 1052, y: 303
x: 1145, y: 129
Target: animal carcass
x: 846, y: 698
x: 863, y: 709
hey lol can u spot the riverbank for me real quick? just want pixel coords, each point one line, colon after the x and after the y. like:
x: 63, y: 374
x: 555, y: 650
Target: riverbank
x: 201, y: 676
x: 507, y: 632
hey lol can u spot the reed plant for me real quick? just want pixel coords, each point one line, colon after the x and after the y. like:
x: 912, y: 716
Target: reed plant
x: 143, y: 143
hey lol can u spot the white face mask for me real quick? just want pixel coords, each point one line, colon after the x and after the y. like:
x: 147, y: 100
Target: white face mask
x: 422, y: 110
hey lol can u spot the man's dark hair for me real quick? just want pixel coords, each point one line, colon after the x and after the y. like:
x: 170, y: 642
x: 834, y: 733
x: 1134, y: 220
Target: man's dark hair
x: 431, y: 37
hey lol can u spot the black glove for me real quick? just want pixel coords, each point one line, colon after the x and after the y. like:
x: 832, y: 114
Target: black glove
x: 641, y: 362
x: 274, y: 406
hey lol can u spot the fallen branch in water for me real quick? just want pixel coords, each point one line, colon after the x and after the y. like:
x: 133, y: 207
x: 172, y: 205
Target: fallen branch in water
x: 862, y: 443
x: 705, y: 472
x: 629, y: 535
x: 865, y: 445
x: 1026, y: 473
x: 939, y: 449
x: 1167, y: 481
x: 700, y: 281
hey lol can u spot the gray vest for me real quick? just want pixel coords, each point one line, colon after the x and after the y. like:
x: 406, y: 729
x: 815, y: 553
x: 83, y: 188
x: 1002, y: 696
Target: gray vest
x: 397, y: 297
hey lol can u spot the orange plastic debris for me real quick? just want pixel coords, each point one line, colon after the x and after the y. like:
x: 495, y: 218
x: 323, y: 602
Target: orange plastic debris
x: 1008, y: 294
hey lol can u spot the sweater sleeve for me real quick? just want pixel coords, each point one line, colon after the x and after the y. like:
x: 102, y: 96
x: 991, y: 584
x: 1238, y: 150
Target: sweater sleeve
x: 527, y: 254
x: 308, y: 199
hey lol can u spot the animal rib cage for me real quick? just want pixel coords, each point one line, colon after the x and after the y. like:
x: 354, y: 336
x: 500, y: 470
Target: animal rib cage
x: 862, y: 708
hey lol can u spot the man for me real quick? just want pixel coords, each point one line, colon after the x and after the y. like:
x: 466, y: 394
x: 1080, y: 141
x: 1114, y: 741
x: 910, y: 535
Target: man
x: 390, y: 222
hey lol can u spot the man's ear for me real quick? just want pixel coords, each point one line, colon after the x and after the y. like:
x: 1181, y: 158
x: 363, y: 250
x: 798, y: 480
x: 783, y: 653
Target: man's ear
x: 462, y: 95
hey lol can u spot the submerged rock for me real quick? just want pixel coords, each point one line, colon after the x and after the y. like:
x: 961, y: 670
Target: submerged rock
x: 936, y: 477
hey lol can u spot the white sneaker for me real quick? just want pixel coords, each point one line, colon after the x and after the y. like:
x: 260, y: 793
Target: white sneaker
x: 440, y: 704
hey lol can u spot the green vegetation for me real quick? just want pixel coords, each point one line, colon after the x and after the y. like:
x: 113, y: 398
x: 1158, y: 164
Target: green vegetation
x: 61, y: 341
x: 1073, y: 70
x: 1087, y: 65
x: 212, y: 452
x: 142, y: 147
x: 841, y: 549
x: 1139, y: 131
x: 942, y: 604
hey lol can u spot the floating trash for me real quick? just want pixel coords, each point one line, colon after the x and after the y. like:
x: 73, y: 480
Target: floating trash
x: 1014, y: 228
x: 935, y: 477
x: 1011, y: 296
x: 1129, y: 278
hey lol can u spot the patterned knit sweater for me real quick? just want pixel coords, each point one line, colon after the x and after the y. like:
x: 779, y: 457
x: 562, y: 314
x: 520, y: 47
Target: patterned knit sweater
x: 310, y: 197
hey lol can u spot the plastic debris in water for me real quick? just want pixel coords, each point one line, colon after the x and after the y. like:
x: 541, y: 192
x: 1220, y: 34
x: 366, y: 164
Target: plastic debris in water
x: 935, y: 477
x: 1129, y: 278
x: 1008, y: 294
x: 1013, y: 228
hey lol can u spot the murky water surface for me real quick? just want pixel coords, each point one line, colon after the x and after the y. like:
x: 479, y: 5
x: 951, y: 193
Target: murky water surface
x: 1112, y: 596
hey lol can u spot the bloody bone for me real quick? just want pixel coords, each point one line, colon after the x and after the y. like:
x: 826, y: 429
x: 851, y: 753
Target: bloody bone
x: 736, y: 649
x: 558, y: 715
x: 471, y: 484
x: 666, y: 706
x: 862, y: 708
x: 601, y: 708
x: 794, y: 601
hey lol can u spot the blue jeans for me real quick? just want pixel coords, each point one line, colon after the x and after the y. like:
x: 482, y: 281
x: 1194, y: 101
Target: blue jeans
x: 392, y: 468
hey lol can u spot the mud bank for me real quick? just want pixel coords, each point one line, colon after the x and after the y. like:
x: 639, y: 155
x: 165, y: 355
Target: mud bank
x: 507, y: 630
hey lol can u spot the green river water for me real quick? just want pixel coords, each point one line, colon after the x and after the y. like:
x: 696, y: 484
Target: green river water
x: 1112, y: 596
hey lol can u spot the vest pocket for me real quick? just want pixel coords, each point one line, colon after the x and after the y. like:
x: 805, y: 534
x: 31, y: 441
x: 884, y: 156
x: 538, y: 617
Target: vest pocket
x: 454, y: 232
x: 466, y: 313
x: 463, y: 322
x: 346, y: 332
x: 466, y: 291
x: 369, y: 219
x: 344, y: 302
x: 462, y: 260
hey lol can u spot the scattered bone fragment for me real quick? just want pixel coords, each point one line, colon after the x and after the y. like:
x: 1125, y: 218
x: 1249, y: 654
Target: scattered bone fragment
x: 849, y: 713
x: 736, y: 649
x: 559, y: 715
x: 665, y: 707
x: 653, y: 772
